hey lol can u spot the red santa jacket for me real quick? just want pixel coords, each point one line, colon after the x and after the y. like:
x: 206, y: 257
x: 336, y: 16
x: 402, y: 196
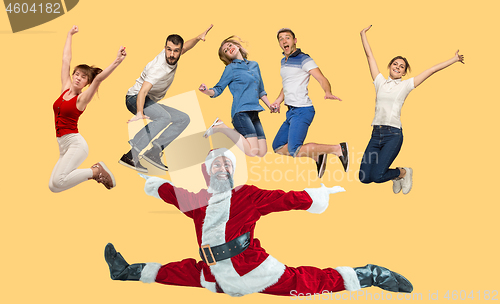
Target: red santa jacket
x: 237, y: 214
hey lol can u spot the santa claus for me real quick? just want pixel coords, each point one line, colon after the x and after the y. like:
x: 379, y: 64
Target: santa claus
x: 233, y: 261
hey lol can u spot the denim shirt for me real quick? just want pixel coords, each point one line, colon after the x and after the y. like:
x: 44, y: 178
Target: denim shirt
x: 245, y: 83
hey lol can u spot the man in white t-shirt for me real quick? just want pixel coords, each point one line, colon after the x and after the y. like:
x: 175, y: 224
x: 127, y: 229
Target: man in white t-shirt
x: 142, y: 98
x: 296, y: 69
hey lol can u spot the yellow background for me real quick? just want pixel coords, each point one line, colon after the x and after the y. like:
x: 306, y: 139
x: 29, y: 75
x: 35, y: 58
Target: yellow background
x: 442, y: 236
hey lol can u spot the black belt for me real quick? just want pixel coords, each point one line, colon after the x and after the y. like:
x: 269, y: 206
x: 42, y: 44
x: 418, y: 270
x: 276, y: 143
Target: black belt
x: 211, y: 255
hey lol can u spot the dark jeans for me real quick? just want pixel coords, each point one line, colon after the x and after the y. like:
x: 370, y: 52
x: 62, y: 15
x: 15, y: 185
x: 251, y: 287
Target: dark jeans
x: 381, y: 151
x: 248, y: 124
x: 165, y: 120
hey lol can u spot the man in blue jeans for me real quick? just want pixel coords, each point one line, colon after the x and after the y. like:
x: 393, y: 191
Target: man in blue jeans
x: 296, y: 69
x: 142, y: 98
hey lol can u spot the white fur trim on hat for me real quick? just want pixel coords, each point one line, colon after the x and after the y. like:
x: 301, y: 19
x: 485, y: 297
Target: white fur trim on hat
x: 148, y: 274
x: 213, y: 154
x: 351, y: 281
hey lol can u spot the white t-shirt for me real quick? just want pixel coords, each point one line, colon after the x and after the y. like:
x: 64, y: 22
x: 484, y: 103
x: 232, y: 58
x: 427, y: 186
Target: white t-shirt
x: 391, y: 94
x: 160, y: 74
x: 295, y: 76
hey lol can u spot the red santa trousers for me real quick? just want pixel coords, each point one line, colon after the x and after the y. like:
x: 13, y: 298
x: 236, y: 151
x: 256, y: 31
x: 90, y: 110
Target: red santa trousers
x: 294, y: 281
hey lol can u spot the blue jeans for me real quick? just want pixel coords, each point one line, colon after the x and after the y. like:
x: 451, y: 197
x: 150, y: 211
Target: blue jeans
x: 293, y: 131
x: 248, y: 124
x: 161, y: 117
x: 381, y: 151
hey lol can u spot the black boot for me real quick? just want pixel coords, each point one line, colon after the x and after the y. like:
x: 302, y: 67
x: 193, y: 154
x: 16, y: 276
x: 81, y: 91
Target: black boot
x: 119, y: 268
x: 373, y: 275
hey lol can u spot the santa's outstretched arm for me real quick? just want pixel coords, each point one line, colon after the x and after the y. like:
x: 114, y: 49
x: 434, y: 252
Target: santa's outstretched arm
x: 314, y: 200
x: 321, y: 197
x: 152, y: 185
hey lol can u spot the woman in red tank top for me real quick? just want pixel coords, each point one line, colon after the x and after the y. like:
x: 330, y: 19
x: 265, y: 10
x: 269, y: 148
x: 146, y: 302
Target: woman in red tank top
x: 67, y: 109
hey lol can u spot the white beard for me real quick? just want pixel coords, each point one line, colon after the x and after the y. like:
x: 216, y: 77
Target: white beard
x: 220, y: 185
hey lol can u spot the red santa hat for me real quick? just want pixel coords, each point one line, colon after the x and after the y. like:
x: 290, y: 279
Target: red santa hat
x: 213, y: 154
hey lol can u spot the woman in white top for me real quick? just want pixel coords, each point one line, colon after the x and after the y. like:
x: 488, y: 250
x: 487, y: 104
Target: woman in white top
x: 387, y: 135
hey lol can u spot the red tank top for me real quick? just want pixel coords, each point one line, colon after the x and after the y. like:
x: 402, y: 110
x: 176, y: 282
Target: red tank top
x: 66, y: 115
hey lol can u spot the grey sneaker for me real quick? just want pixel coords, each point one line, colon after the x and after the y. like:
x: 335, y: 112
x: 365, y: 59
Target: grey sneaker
x: 396, y: 185
x: 407, y: 181
x: 153, y: 156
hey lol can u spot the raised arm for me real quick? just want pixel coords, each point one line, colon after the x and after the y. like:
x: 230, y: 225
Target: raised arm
x: 438, y: 67
x: 86, y: 96
x: 192, y: 42
x: 369, y: 55
x: 66, y: 61
x: 325, y: 84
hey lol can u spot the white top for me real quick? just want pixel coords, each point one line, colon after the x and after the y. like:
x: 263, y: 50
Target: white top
x: 391, y: 95
x: 295, y: 75
x: 160, y: 74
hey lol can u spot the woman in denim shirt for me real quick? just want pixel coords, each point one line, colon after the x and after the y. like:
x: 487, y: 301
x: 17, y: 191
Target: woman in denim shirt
x: 245, y: 83
x: 387, y: 135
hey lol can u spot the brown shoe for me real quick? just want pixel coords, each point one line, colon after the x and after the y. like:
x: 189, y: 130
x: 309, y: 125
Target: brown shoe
x: 104, y: 176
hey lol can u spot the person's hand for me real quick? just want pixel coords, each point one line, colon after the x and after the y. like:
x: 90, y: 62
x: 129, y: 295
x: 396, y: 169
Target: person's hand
x: 332, y: 190
x: 459, y: 57
x: 203, y: 88
x: 275, y: 107
x: 363, y: 31
x: 121, y: 54
x: 331, y: 96
x: 73, y: 30
x: 137, y: 117
x: 202, y: 35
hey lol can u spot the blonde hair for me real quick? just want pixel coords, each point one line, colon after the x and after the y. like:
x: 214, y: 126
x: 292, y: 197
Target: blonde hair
x: 236, y: 41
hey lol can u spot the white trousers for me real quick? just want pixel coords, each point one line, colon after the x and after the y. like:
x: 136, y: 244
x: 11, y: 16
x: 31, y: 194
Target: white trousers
x: 73, y: 150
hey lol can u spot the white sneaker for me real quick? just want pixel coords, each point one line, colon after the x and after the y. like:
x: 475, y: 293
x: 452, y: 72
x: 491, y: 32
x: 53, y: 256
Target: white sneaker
x: 210, y: 130
x: 407, y: 181
x: 396, y: 185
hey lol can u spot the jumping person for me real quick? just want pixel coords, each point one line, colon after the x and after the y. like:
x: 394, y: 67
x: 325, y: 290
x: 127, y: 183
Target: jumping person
x: 245, y: 83
x: 142, y: 101
x: 233, y: 260
x: 73, y: 148
x: 296, y: 69
x: 387, y: 134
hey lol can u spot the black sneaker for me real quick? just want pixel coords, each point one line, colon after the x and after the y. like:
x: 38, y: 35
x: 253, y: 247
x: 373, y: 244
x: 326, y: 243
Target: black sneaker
x: 321, y: 164
x: 153, y: 156
x: 128, y: 162
x: 344, y: 158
